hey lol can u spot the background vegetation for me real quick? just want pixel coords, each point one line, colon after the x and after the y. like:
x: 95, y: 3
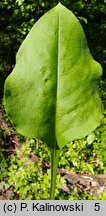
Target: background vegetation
x: 25, y: 178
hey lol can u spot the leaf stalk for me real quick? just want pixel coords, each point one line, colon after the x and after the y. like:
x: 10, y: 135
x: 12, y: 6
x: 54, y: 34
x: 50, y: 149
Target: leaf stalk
x: 55, y: 153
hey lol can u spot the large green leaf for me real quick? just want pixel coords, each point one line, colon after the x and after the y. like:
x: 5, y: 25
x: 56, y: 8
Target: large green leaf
x: 52, y: 92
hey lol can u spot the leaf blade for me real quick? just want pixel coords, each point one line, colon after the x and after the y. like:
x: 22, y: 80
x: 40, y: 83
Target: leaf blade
x: 53, y: 89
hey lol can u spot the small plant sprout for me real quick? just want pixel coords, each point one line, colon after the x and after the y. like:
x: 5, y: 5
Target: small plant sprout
x: 52, y: 93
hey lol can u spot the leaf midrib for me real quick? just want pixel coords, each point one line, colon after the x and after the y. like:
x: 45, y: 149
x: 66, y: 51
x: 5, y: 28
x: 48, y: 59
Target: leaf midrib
x: 58, y: 69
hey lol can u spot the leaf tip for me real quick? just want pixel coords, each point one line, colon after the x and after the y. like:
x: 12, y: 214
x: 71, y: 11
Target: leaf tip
x: 59, y: 4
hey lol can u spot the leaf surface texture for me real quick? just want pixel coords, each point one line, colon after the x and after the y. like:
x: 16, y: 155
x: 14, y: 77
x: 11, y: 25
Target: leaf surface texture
x: 52, y: 92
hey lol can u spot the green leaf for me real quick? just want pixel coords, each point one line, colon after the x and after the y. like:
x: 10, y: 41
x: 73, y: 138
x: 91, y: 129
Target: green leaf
x: 52, y: 91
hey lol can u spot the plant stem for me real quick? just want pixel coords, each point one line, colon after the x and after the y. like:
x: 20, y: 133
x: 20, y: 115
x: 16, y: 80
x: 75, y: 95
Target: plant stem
x: 54, y: 164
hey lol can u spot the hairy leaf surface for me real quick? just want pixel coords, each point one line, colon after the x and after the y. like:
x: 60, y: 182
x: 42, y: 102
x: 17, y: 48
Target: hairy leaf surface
x: 52, y: 92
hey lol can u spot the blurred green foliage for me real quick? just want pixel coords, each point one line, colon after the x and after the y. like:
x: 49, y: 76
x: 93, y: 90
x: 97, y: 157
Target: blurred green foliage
x: 29, y: 179
x: 18, y: 16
